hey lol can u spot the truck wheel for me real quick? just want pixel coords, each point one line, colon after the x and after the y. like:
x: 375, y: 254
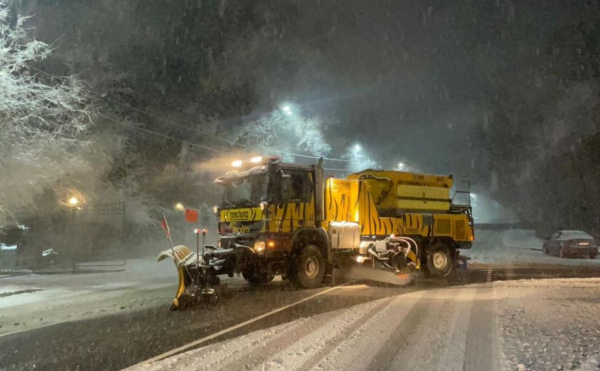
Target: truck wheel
x: 440, y: 260
x: 255, y: 276
x: 309, y: 268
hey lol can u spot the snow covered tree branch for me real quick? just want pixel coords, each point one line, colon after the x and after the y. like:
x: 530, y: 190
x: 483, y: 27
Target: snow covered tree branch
x: 42, y: 118
x: 281, y: 134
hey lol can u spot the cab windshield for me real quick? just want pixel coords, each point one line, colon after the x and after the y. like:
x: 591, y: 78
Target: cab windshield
x: 245, y: 192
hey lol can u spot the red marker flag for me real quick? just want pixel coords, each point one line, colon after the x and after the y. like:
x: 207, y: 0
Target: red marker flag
x: 165, y: 226
x: 191, y: 215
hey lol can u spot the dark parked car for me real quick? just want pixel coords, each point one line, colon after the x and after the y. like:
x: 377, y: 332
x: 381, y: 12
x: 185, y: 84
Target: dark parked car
x: 571, y: 243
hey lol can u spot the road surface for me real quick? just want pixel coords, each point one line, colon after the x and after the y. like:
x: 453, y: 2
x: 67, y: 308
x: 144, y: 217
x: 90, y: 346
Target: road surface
x: 109, y: 321
x: 491, y: 326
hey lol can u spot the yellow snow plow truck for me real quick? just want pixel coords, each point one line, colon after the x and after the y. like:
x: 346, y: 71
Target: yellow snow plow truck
x: 288, y: 219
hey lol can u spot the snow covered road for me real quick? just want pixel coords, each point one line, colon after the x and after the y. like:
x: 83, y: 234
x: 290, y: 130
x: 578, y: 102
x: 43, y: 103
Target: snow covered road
x: 450, y: 329
x: 508, y: 325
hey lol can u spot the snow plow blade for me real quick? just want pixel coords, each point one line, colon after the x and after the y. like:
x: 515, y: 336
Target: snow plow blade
x: 180, y: 255
x: 198, y: 277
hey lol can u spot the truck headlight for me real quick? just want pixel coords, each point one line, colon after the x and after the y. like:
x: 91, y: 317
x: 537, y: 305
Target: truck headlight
x: 259, y: 246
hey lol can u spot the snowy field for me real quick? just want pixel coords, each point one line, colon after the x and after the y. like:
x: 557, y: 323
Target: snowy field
x: 508, y: 325
x: 515, y: 246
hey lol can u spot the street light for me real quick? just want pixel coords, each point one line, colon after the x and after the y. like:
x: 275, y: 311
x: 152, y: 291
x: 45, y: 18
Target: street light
x: 236, y: 163
x: 287, y: 110
x: 179, y: 206
x: 357, y: 147
x: 73, y: 201
x: 401, y: 165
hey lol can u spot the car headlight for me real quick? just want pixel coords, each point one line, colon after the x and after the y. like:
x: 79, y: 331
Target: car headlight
x: 259, y: 246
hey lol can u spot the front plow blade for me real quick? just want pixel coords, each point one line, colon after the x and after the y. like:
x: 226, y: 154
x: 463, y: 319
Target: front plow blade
x: 181, y: 255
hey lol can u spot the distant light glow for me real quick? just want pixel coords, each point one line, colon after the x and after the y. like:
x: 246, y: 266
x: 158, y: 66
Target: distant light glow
x: 473, y: 196
x: 236, y: 163
x: 4, y: 247
x: 357, y: 147
x: 179, y: 206
x: 73, y: 201
x: 361, y: 259
x: 401, y: 165
x: 256, y: 160
x: 287, y: 109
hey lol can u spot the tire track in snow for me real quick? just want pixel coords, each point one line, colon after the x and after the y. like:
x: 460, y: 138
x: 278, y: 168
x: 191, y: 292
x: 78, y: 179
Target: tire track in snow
x: 331, y: 343
x: 278, y: 343
x: 305, y: 349
x: 439, y: 342
x: 402, y: 334
x: 357, y: 351
x: 481, y: 343
x: 230, y: 329
x: 216, y: 355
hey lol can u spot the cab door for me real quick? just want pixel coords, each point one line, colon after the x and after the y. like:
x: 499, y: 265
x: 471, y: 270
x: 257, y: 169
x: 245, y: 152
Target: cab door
x: 295, y: 204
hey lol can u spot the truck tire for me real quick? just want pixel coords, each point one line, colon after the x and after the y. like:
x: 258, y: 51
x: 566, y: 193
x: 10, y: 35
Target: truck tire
x: 255, y: 276
x: 440, y: 260
x: 308, y: 269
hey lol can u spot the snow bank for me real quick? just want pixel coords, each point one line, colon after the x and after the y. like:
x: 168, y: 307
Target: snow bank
x: 591, y: 364
x: 514, y: 246
x: 522, y: 239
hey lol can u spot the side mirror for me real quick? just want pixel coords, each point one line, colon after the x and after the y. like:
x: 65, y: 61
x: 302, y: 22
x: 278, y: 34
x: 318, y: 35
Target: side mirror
x: 286, y: 186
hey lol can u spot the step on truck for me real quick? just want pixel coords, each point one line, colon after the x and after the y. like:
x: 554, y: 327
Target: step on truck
x: 289, y: 219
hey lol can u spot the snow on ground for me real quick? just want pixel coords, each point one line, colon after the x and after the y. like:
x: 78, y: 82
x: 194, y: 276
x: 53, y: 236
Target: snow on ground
x: 550, y: 324
x: 35, y: 300
x: 516, y: 325
x: 38, y: 288
x: 514, y: 246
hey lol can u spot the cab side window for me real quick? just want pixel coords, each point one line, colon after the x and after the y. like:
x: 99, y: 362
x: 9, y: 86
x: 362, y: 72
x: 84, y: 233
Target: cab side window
x: 301, y: 189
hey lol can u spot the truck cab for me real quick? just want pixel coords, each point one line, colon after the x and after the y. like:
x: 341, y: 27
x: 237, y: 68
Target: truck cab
x: 265, y: 207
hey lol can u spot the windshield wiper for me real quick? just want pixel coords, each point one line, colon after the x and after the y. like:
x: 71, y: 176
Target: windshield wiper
x: 253, y: 203
x: 229, y: 202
